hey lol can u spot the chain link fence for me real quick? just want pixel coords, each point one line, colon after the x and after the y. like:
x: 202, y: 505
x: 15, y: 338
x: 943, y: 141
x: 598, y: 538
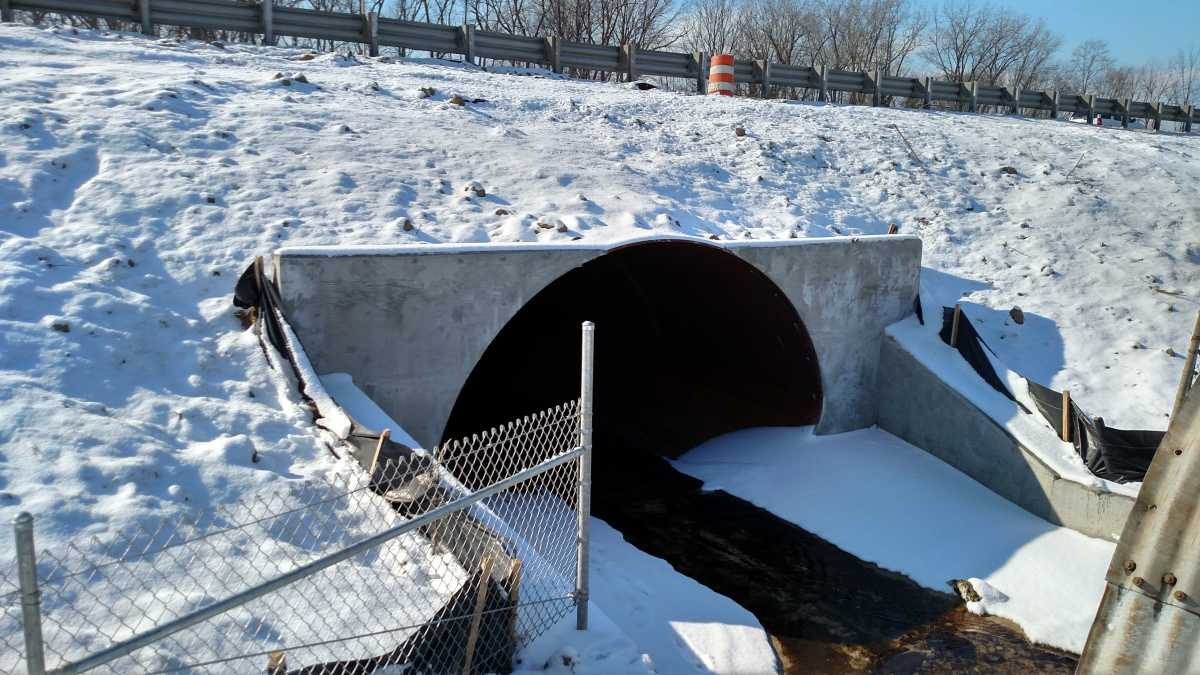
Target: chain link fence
x: 447, y: 562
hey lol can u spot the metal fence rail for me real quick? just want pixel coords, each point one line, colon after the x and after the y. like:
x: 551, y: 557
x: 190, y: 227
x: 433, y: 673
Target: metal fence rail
x: 444, y: 562
x: 817, y: 81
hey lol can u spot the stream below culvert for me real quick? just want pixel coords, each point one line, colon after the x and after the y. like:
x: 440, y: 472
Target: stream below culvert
x: 825, y: 610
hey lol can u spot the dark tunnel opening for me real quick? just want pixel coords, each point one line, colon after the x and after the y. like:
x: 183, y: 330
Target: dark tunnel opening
x: 692, y: 342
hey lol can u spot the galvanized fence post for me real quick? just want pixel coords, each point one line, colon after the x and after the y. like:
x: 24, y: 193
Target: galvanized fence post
x: 31, y: 598
x: 583, y: 525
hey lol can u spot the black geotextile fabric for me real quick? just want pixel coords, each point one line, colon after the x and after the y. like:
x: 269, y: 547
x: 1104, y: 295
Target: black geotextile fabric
x: 1120, y: 455
x: 971, y: 346
x: 439, y: 647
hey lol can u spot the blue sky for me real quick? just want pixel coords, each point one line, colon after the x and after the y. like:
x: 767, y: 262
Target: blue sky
x: 1136, y: 30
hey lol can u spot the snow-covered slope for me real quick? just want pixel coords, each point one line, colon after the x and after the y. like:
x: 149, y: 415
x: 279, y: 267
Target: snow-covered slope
x: 138, y: 177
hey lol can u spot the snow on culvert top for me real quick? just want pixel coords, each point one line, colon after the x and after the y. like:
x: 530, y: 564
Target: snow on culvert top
x: 133, y: 171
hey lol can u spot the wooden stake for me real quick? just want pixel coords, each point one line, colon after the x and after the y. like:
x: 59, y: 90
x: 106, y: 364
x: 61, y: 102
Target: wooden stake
x: 954, y: 325
x: 1066, y: 415
x: 276, y: 663
x: 378, y: 451
x: 1189, y: 368
x: 893, y: 229
x: 477, y: 617
x: 514, y: 595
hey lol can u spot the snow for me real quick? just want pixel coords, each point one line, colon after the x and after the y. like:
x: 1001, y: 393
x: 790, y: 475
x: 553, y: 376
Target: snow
x: 355, y: 403
x: 900, y: 507
x: 138, y: 177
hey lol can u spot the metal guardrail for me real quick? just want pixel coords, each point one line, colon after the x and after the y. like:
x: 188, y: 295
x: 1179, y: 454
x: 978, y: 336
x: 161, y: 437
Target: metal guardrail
x: 257, y: 16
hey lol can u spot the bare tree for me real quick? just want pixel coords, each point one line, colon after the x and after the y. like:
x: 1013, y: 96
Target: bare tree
x: 977, y: 42
x: 1088, y: 63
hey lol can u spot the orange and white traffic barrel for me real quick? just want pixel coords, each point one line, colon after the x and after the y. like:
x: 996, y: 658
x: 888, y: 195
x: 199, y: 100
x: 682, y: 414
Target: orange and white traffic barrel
x: 720, y: 75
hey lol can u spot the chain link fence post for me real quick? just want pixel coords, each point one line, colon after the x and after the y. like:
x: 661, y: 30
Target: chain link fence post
x: 31, y: 610
x: 585, y: 477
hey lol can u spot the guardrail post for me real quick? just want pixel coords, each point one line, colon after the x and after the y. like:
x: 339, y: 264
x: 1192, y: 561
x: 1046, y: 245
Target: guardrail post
x: 6, y: 13
x: 699, y: 62
x: 1125, y: 113
x: 1016, y: 99
x: 823, y: 85
x: 553, y: 47
x: 144, y: 13
x: 974, y: 92
x: 762, y: 73
x: 1091, y: 102
x: 1158, y: 116
x: 876, y: 82
x: 1190, y: 111
x: 31, y: 597
x: 583, y: 524
x: 266, y: 17
x: 629, y: 60
x: 1054, y: 105
x: 466, y: 39
x: 371, y: 30
x: 928, y: 102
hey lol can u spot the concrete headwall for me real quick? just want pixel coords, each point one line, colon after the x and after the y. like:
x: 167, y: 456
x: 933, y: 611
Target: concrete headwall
x: 916, y: 405
x: 410, y: 323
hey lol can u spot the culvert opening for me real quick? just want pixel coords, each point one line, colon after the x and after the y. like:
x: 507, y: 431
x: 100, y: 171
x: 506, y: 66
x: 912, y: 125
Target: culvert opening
x: 693, y: 342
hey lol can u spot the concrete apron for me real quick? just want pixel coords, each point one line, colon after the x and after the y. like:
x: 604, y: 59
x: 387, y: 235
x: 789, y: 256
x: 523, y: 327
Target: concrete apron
x: 919, y: 407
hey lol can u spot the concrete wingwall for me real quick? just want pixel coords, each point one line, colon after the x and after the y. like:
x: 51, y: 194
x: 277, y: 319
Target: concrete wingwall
x: 409, y: 323
x: 916, y: 405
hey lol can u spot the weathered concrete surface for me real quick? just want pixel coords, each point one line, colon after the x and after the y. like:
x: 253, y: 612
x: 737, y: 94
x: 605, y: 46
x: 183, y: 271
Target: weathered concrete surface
x: 919, y: 407
x: 409, y: 323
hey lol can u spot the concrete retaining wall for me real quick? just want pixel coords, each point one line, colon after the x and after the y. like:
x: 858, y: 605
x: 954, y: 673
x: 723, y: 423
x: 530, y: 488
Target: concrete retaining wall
x: 919, y: 407
x: 409, y: 323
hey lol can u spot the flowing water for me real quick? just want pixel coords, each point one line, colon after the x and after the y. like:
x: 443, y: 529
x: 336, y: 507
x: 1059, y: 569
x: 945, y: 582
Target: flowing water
x: 825, y: 610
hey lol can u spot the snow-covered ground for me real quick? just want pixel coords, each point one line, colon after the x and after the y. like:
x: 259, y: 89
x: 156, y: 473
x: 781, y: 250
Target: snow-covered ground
x: 896, y: 505
x: 138, y: 177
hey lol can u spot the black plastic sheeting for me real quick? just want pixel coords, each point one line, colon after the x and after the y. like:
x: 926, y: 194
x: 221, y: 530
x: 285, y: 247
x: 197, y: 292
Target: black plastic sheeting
x: 396, y: 464
x: 971, y: 346
x: 440, y: 646
x: 1120, y: 455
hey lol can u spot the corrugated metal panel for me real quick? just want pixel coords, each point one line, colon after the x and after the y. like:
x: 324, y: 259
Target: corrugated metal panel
x: 795, y: 76
x: 591, y: 57
x: 667, y: 64
x: 1174, y: 113
x: 847, y: 80
x: 1035, y: 99
x: 900, y: 86
x: 986, y: 94
x: 1140, y: 109
x: 743, y: 71
x: 419, y: 36
x: 1072, y: 103
x: 941, y: 90
x: 1149, y: 620
x: 106, y: 9
x: 217, y: 15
